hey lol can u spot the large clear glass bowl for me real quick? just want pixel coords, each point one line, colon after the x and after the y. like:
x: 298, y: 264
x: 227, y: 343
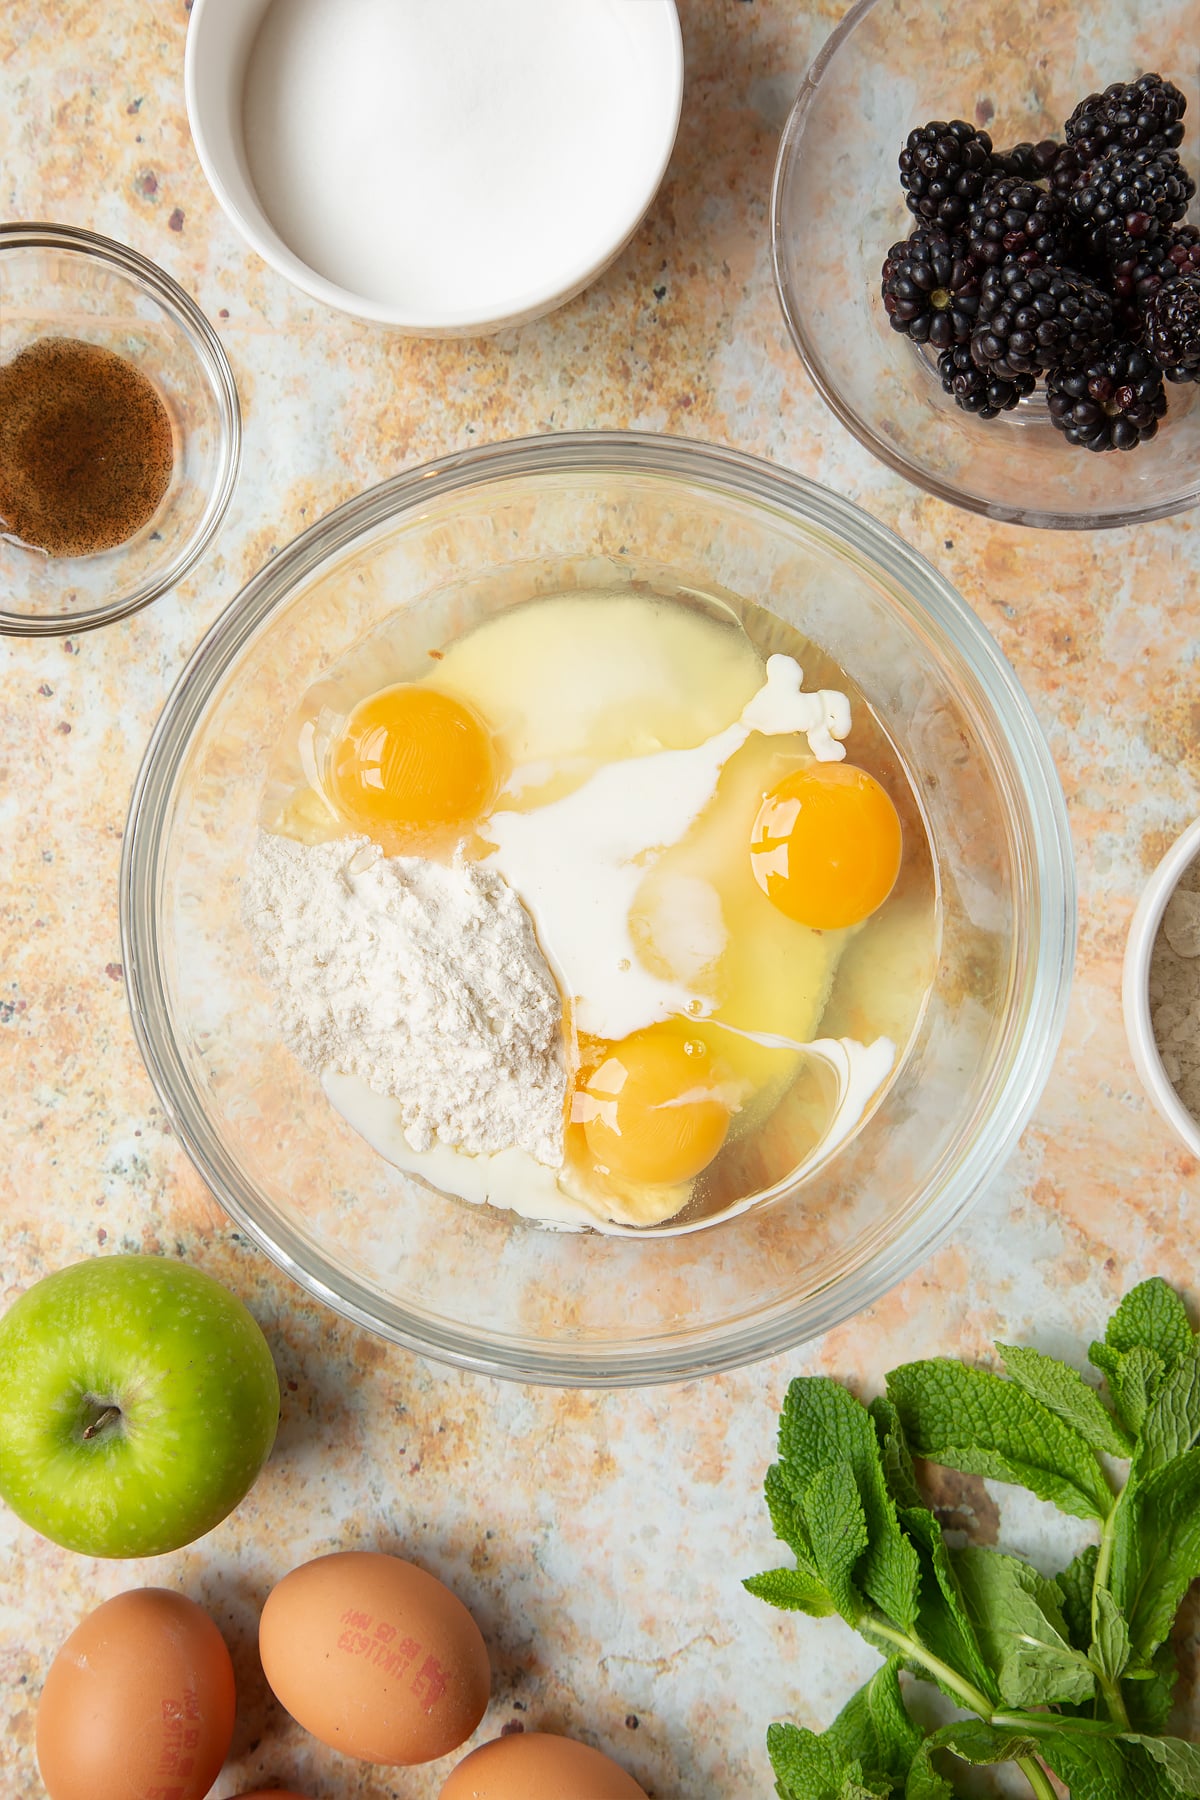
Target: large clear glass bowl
x: 447, y: 545
x: 838, y: 207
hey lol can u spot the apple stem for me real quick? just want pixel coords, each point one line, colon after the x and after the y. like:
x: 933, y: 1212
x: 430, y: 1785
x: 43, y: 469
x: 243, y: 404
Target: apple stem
x: 108, y: 1417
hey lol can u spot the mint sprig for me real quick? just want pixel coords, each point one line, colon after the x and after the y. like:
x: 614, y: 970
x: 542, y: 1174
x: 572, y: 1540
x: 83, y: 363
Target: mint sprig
x: 1072, y: 1675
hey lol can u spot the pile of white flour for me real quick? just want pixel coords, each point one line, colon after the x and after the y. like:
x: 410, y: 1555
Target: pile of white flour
x: 424, y: 980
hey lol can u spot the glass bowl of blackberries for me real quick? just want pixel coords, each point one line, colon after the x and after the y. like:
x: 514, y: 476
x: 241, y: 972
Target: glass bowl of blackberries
x: 987, y: 247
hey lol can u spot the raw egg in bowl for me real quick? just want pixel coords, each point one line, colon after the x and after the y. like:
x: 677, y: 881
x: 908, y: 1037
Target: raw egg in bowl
x: 611, y: 834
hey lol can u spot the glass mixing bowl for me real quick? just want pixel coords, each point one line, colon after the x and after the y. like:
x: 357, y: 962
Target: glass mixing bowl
x: 837, y: 208
x: 59, y: 282
x: 445, y: 546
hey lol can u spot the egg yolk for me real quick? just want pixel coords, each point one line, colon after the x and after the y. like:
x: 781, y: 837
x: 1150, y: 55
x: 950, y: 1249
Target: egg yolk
x: 825, y: 847
x: 412, y: 762
x: 657, y: 1109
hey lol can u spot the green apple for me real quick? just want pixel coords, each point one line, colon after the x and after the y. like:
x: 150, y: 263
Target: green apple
x: 138, y: 1401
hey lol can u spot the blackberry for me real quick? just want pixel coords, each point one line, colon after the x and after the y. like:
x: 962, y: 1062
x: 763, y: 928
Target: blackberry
x: 1068, y: 171
x: 1129, y: 197
x: 977, y: 390
x: 1172, y: 319
x: 1113, y: 402
x: 1128, y: 115
x: 930, y: 289
x: 1183, y: 250
x: 1014, y: 215
x: 1031, y: 319
x: 942, y: 169
x: 1153, y: 264
x: 1140, y: 273
x: 1033, y: 161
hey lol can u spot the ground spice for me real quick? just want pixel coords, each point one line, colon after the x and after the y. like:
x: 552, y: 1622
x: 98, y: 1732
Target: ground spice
x: 86, y: 448
x: 1175, y: 989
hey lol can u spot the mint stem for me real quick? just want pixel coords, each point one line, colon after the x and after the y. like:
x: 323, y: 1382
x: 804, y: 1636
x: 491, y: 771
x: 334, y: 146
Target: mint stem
x: 1110, y: 1689
x: 1037, y: 1778
x: 1114, y: 1699
x: 916, y: 1652
x: 971, y: 1697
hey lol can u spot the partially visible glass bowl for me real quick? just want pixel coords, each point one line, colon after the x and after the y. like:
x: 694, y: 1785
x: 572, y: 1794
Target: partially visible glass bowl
x: 837, y: 208
x: 445, y: 546
x: 57, y: 281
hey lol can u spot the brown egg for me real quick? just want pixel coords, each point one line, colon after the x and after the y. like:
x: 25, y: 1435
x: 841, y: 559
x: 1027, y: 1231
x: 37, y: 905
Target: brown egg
x: 375, y: 1657
x: 532, y: 1765
x: 271, y: 1794
x: 138, y: 1703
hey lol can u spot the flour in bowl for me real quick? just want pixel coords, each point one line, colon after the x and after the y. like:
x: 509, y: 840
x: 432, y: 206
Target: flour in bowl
x: 424, y: 980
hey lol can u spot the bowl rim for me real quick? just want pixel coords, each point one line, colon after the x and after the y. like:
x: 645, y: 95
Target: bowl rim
x: 1037, y: 518
x: 534, y: 304
x: 1135, y: 986
x: 1028, y: 1057
x: 182, y: 310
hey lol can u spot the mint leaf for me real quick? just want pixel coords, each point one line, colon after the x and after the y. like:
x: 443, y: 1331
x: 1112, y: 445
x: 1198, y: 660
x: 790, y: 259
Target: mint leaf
x: 974, y: 1421
x: 787, y: 1518
x: 821, y: 1420
x: 1180, y: 1759
x: 897, y: 1735
x: 1075, y: 1584
x: 1103, y: 1768
x: 972, y: 1742
x: 875, y: 1729
x: 1147, y: 1338
x: 1149, y: 1690
x: 1020, y: 1628
x: 838, y: 1529
x: 821, y: 1423
x: 1093, y: 1768
x: 1068, y: 1396
x: 898, y: 1469
x: 924, y: 1782
x: 943, y: 1623
x: 807, y: 1592
x: 808, y: 1767
x: 805, y: 1768
x: 792, y: 1590
x: 890, y: 1572
x: 1156, y: 1553
x: 1134, y: 1377
x: 1153, y: 1317
x: 1110, y: 1647
x: 866, y: 1752
x: 1172, y: 1423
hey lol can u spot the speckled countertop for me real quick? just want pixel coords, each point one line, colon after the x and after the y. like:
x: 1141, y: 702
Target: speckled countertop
x: 598, y: 1538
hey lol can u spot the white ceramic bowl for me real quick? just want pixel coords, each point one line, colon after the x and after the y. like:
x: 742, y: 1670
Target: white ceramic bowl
x: 470, y: 230
x: 1135, y: 986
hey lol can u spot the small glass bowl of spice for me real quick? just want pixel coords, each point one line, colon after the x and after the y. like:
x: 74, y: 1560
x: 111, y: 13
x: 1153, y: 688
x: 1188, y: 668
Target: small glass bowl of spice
x: 120, y: 432
x: 1161, y: 987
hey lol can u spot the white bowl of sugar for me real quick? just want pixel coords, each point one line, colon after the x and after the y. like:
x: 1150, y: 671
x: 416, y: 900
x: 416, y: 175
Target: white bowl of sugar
x: 1160, y: 988
x: 445, y: 167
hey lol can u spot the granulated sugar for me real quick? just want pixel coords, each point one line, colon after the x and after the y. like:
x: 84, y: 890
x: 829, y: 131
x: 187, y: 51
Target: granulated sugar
x: 453, y: 156
x: 1175, y: 989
